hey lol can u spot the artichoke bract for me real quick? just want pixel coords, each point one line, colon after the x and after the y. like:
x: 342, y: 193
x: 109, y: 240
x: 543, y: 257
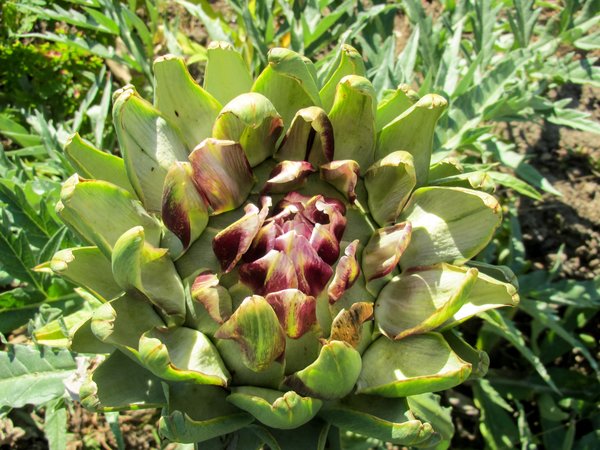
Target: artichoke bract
x: 274, y: 263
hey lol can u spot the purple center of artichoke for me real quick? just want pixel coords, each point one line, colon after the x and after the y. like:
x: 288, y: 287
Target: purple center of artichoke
x: 293, y: 248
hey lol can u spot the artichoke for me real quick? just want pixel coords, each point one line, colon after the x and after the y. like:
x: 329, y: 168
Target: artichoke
x: 277, y: 262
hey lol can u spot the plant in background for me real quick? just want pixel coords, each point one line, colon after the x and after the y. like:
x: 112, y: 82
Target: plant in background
x: 268, y: 256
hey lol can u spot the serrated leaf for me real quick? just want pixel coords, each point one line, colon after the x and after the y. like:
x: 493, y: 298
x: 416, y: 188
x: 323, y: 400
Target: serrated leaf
x: 55, y: 426
x: 16, y: 256
x: 33, y: 375
x: 23, y: 215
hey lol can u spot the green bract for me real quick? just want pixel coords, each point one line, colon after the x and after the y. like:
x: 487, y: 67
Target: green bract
x: 272, y: 258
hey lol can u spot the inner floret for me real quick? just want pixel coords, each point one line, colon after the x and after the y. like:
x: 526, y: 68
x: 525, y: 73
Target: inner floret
x: 293, y: 247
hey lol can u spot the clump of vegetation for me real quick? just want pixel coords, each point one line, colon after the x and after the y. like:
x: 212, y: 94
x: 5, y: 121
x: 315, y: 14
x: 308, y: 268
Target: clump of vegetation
x: 51, y: 77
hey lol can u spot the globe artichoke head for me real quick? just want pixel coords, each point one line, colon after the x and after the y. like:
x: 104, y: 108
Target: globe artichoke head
x: 275, y: 259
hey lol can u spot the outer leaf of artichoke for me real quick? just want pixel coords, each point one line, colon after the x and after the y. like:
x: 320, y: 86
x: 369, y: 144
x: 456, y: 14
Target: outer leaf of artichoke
x: 185, y: 104
x: 413, y: 365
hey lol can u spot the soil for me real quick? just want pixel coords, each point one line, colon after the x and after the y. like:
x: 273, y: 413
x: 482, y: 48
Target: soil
x: 570, y: 160
x: 86, y: 430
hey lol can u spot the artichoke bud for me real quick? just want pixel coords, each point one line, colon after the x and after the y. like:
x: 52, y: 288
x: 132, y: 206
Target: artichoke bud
x: 413, y: 131
x: 251, y: 120
x: 353, y: 119
x: 142, y: 268
x: 310, y: 138
x: 184, y: 211
x: 261, y: 312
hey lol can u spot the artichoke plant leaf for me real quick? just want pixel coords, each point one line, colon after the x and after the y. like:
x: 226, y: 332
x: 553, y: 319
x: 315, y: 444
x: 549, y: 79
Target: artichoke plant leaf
x: 89, y: 268
x: 182, y: 101
x: 449, y: 224
x: 95, y: 164
x: 182, y: 354
x: 197, y: 413
x: 149, y: 142
x: 282, y: 410
x: 331, y: 376
x: 427, y: 407
x: 85, y: 206
x: 383, y: 418
x: 479, y: 360
x: 226, y: 75
x: 120, y: 383
x: 410, y: 366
